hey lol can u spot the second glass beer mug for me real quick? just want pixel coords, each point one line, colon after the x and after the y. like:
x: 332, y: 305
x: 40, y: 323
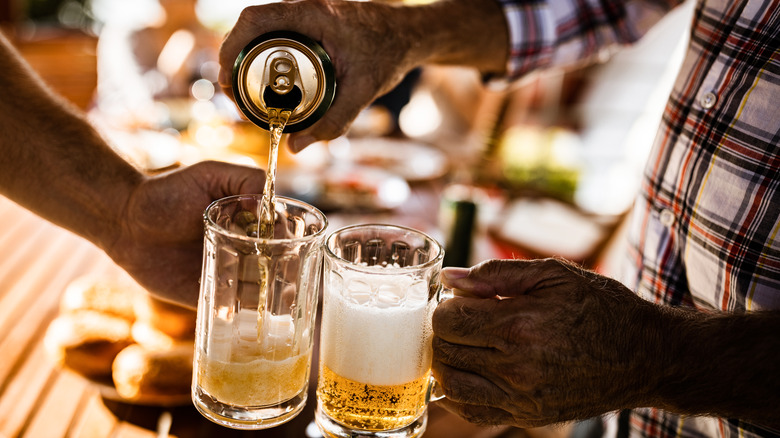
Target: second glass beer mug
x: 381, y: 285
x: 256, y: 312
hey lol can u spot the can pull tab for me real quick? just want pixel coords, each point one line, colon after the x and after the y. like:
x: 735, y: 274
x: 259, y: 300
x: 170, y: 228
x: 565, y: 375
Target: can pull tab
x: 282, y: 90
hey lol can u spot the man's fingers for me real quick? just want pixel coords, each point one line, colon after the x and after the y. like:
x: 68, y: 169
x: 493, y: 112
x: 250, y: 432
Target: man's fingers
x: 479, y: 322
x: 508, y: 278
x: 252, y: 22
x: 488, y: 279
x: 343, y: 111
x: 247, y: 28
x: 462, y: 357
x: 467, y: 387
x: 334, y: 123
x: 479, y: 401
x: 257, y: 20
x: 241, y: 179
x: 463, y: 320
x: 477, y: 414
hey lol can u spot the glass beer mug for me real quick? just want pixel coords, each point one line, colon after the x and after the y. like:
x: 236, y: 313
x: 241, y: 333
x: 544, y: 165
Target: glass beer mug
x: 256, y: 312
x: 381, y: 286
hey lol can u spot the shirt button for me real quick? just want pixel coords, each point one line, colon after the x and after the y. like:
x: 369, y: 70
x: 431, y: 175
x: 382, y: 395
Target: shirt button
x: 708, y: 100
x: 667, y: 218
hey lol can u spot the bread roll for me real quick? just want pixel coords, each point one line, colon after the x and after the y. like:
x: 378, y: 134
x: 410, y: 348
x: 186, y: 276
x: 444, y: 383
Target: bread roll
x: 175, y: 321
x: 103, y: 294
x: 140, y: 373
x: 151, y: 338
x: 87, y: 341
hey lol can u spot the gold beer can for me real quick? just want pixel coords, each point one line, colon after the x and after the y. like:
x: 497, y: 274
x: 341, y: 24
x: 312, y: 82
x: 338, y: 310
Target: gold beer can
x: 284, y: 70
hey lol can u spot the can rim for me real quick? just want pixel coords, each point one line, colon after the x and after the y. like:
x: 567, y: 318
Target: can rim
x: 328, y: 71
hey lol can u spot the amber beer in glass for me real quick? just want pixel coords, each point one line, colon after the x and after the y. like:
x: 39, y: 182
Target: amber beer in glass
x: 381, y: 285
x: 256, y: 312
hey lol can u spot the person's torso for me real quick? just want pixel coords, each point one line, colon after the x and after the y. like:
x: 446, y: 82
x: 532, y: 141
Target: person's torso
x: 706, y: 227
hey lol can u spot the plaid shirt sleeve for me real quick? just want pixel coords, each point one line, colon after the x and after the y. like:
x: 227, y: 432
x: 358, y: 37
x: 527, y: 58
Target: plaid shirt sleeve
x: 560, y: 32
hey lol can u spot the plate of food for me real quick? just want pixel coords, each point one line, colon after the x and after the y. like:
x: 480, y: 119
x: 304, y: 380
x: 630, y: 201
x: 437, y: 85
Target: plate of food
x: 345, y: 186
x: 411, y: 160
x: 131, y: 346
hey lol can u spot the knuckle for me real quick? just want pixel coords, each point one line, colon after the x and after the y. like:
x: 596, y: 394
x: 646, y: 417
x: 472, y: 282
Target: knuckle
x: 511, y: 335
x: 249, y: 15
x: 521, y: 381
x: 470, y: 320
x: 452, y: 355
x: 537, y: 405
x: 441, y: 349
x: 499, y: 339
x: 440, y: 317
x: 454, y: 317
x: 495, y: 275
x: 526, y: 410
x: 246, y: 14
x: 554, y: 263
x: 491, y: 267
x: 515, y: 330
x: 329, y: 128
x: 476, y: 415
x: 460, y: 390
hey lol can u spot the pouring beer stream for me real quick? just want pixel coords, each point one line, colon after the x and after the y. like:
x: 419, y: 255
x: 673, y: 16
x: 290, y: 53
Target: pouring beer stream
x: 283, y: 82
x: 257, y: 294
x: 281, y: 97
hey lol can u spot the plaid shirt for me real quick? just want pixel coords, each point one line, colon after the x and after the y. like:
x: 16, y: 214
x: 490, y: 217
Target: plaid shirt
x: 705, y: 226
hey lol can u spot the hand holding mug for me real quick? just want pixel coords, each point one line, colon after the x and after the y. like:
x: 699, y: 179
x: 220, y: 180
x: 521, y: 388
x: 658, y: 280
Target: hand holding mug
x: 535, y: 342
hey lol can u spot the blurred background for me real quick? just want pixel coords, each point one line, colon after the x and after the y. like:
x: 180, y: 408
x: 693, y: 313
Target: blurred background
x: 547, y: 167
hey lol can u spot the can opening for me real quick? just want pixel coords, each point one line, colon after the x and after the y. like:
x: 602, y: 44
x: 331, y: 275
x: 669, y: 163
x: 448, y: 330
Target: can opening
x: 286, y: 71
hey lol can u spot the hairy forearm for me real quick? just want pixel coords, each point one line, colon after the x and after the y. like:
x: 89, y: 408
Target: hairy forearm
x: 52, y: 161
x: 460, y: 32
x: 718, y: 364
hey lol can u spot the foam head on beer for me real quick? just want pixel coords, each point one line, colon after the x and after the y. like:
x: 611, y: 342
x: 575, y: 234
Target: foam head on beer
x: 375, y: 348
x: 377, y: 327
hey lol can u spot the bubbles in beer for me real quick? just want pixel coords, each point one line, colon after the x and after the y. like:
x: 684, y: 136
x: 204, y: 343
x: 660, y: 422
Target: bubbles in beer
x: 391, y: 336
x: 375, y: 349
x: 371, y: 407
x: 252, y: 361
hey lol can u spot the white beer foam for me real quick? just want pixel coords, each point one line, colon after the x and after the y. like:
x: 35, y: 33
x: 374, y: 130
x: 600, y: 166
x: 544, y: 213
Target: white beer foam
x: 245, y: 336
x: 370, y: 342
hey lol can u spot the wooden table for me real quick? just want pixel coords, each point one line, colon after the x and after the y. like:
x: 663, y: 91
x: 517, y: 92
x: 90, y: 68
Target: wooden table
x: 37, y: 399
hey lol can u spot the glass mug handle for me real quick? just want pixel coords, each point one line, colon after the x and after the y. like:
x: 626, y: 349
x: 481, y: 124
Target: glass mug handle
x: 435, y: 391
